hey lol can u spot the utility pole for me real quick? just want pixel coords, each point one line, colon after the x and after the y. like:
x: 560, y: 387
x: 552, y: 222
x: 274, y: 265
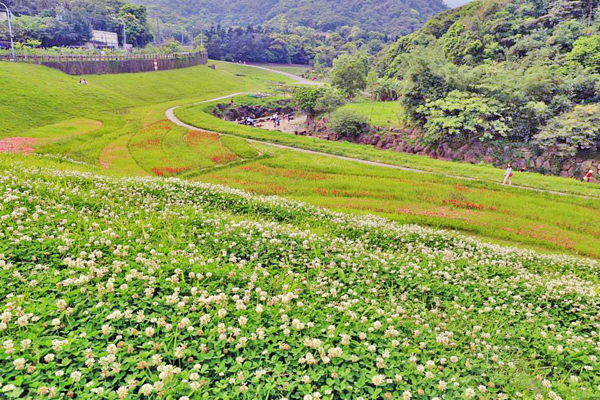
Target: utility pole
x: 124, y: 34
x: 10, y: 32
x: 157, y: 31
x: 124, y: 38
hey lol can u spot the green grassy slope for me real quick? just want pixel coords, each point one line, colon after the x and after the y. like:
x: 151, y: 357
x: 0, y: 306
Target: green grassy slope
x: 486, y: 210
x: 380, y: 113
x: 173, y: 288
x: 200, y: 117
x: 134, y: 139
x: 32, y: 96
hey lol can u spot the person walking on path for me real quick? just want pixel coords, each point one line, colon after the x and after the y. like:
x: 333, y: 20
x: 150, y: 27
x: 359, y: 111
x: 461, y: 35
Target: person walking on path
x: 588, y: 176
x: 508, y: 175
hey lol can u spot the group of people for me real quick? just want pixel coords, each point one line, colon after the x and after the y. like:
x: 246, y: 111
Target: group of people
x: 277, y: 119
x: 509, y: 174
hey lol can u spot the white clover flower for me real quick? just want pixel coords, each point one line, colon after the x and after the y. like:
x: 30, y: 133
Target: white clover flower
x: 378, y: 380
x: 19, y: 363
x: 122, y: 392
x: 146, y: 389
x: 76, y: 376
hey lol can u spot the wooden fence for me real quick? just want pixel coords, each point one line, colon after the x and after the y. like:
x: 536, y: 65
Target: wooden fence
x: 111, y: 64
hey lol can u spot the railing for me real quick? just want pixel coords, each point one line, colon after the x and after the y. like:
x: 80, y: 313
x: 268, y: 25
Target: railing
x: 38, y: 59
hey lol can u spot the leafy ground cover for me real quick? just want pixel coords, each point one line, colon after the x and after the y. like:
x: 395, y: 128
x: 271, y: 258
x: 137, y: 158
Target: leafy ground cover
x: 174, y: 288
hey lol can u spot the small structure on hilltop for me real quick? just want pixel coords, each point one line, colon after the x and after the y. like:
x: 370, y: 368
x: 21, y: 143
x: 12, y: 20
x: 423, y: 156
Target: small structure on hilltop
x: 104, y: 39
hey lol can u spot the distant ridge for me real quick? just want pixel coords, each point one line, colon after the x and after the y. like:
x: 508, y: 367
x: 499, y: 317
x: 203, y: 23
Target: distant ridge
x: 393, y: 17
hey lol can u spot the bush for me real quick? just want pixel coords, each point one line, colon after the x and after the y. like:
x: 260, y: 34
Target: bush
x: 464, y: 116
x: 578, y: 129
x: 348, y: 123
x: 586, y: 52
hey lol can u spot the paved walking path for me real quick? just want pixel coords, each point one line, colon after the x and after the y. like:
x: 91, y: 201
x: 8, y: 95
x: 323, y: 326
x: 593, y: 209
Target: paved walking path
x: 297, y: 78
x: 170, y: 114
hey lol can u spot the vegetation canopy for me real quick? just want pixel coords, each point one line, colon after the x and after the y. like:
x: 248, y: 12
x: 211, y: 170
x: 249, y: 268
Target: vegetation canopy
x: 514, y: 69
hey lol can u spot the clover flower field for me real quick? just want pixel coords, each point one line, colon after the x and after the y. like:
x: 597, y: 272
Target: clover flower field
x: 162, y: 288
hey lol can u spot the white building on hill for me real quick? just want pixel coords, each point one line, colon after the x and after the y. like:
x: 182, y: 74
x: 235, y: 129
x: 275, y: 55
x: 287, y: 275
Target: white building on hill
x: 105, y: 39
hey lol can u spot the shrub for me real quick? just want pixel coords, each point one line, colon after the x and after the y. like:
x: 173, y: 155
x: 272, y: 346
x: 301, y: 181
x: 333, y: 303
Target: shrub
x: 348, y: 123
x: 578, y: 129
x: 464, y: 116
x: 586, y: 52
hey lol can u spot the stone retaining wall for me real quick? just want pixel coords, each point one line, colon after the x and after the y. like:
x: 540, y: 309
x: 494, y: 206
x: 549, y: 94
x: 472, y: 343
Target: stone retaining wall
x: 498, y: 153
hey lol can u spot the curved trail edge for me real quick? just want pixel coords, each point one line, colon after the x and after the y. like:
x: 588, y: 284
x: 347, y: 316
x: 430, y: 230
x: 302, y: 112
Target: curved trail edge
x: 170, y: 114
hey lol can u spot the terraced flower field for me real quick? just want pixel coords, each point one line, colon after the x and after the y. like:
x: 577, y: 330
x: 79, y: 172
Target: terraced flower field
x: 162, y: 288
x: 122, y: 281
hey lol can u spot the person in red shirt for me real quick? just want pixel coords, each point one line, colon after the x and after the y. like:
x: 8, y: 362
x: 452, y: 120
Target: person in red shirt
x: 588, y: 177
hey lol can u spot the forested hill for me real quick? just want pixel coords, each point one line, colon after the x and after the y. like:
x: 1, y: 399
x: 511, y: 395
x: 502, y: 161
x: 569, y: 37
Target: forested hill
x: 526, y: 70
x: 393, y: 17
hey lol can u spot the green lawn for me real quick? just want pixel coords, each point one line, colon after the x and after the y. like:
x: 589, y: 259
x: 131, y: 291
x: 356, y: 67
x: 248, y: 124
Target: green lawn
x: 34, y: 96
x: 46, y: 104
x: 379, y: 113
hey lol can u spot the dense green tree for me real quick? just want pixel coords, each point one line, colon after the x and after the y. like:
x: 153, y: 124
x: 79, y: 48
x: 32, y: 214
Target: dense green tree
x: 391, y: 17
x: 296, y: 45
x: 136, y: 20
x: 568, y: 133
x: 330, y: 100
x: 306, y: 98
x: 518, y: 69
x: 459, y: 44
x: 349, y: 73
x: 463, y: 116
x: 70, y: 23
x: 586, y: 52
x: 383, y: 89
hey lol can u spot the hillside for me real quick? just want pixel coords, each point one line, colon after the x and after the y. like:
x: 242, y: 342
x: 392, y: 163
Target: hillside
x: 387, y: 16
x: 523, y: 74
x: 129, y: 271
x: 117, y: 123
x: 172, y: 288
